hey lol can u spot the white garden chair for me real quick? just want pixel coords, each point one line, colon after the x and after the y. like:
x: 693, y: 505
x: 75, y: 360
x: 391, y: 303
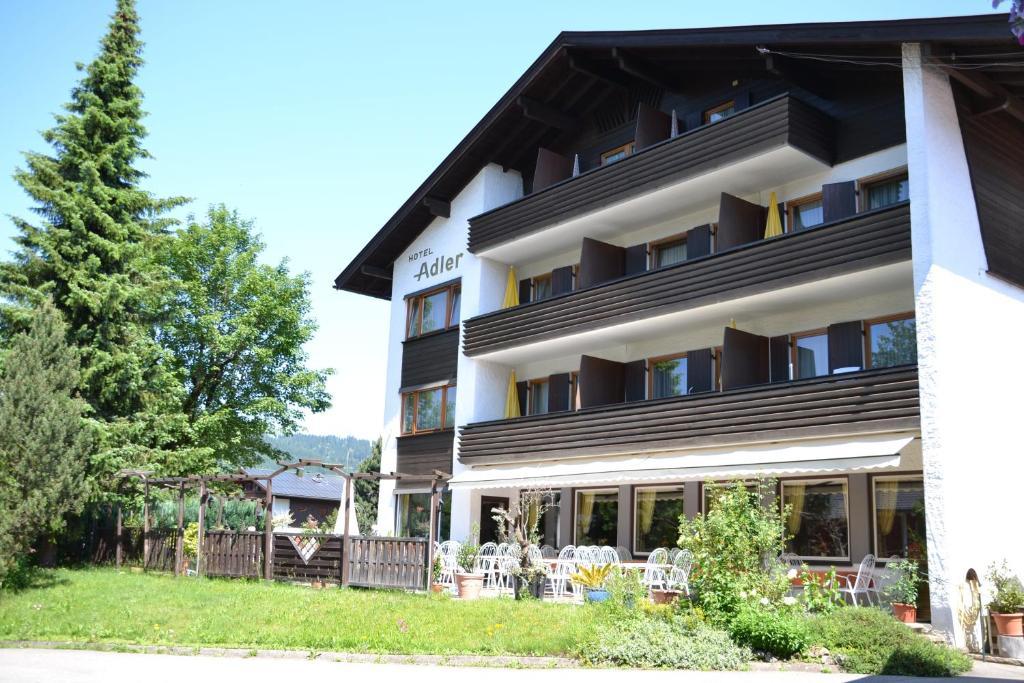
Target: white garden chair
x: 507, y: 561
x: 547, y: 552
x: 672, y: 552
x: 486, y: 560
x: 623, y: 553
x: 609, y: 556
x: 884, y: 577
x: 861, y: 585
x: 449, y: 553
x: 654, y: 575
x: 564, y: 568
x: 679, y: 575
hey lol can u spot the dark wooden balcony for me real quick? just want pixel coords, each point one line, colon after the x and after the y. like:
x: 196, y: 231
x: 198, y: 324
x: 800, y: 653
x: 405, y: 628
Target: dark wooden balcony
x: 423, y: 453
x: 838, y: 405
x: 775, y: 123
x: 863, y: 241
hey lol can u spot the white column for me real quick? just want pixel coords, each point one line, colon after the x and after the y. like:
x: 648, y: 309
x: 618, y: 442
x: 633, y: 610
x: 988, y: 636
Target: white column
x: 970, y: 327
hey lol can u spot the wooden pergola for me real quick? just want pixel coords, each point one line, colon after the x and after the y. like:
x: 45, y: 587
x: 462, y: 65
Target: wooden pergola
x: 180, y: 484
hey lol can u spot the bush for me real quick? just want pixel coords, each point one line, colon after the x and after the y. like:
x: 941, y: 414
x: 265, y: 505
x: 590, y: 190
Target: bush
x: 667, y: 644
x: 781, y: 634
x: 869, y: 641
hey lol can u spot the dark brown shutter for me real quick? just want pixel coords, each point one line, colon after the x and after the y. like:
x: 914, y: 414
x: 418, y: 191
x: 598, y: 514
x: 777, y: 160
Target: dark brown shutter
x: 845, y: 345
x: 636, y: 380
x: 698, y: 242
x: 778, y: 353
x: 838, y: 201
x: 636, y: 259
x: 694, y: 119
x: 521, y: 391
x: 601, y: 382
x: 744, y: 359
x: 700, y: 370
x: 551, y: 168
x: 524, y: 291
x: 558, y: 392
x: 600, y: 262
x: 652, y: 126
x: 739, y: 222
x: 561, y: 280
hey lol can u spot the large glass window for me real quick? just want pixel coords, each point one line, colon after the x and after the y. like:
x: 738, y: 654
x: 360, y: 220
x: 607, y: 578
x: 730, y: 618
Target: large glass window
x: 669, y: 252
x: 893, y: 342
x: 538, y: 397
x: 899, y: 517
x: 432, y: 311
x: 817, y: 521
x: 428, y: 410
x: 542, y: 287
x: 710, y: 492
x: 413, y: 512
x: 810, y: 355
x: 668, y: 377
x: 449, y: 407
x: 806, y: 213
x: 656, y: 513
x: 597, y: 517
x: 880, y: 193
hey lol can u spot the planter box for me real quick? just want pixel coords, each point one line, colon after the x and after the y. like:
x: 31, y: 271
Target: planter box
x: 469, y: 585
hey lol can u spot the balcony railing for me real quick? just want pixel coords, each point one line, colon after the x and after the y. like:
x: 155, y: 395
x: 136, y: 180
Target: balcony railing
x: 837, y: 405
x: 779, y: 122
x: 864, y: 241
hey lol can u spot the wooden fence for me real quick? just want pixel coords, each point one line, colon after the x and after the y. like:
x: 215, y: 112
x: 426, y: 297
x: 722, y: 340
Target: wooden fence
x: 321, y: 563
x: 233, y: 554
x: 388, y: 562
x: 161, y: 550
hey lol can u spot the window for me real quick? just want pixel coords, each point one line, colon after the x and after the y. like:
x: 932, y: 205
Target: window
x: 617, y: 154
x: 413, y: 516
x: 668, y: 376
x: 899, y: 516
x: 722, y: 111
x: 656, y: 512
x: 547, y: 526
x: 805, y: 212
x: 810, y: 354
x: 876, y: 193
x: 709, y: 492
x: 668, y: 252
x: 432, y: 311
x: 891, y: 341
x: 597, y: 517
x: 542, y: 287
x: 426, y: 410
x: 817, y: 521
x: 574, y: 385
x: 537, y: 403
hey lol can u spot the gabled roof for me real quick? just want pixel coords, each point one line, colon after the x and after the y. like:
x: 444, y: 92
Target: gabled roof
x: 312, y: 485
x: 568, y: 75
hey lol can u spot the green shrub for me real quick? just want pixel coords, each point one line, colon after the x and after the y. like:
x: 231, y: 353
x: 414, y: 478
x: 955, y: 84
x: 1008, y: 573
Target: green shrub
x: 657, y: 643
x: 869, y: 641
x: 779, y: 633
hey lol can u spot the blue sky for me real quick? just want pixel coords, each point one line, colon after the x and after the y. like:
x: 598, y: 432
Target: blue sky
x: 318, y: 119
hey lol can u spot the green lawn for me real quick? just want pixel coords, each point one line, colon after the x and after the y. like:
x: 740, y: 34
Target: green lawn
x: 103, y: 605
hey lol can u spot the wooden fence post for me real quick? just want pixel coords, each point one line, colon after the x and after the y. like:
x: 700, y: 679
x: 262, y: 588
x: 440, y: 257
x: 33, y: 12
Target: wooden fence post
x: 346, y: 549
x: 220, y: 511
x: 201, y: 533
x: 119, y: 530
x: 434, y: 501
x: 268, y: 531
x: 145, y: 527
x: 179, y: 544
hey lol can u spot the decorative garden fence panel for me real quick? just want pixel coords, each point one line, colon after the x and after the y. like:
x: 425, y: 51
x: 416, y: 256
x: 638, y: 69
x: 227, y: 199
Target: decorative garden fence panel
x: 381, y: 562
x: 307, y: 557
x: 233, y: 554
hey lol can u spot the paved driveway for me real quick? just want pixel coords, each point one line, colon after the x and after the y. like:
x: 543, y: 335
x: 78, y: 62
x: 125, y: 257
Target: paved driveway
x: 82, y: 666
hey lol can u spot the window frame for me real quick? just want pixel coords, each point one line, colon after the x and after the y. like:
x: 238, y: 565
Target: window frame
x: 866, y: 331
x: 711, y: 111
x: 911, y: 475
x: 652, y: 249
x: 415, y: 409
x: 865, y: 183
x: 794, y: 204
x: 574, y: 390
x: 702, y: 502
x: 650, y: 374
x: 680, y: 486
x: 629, y: 149
x: 530, y: 384
x: 592, y: 489
x: 813, y: 559
x: 543, y: 277
x: 793, y: 337
x: 416, y: 301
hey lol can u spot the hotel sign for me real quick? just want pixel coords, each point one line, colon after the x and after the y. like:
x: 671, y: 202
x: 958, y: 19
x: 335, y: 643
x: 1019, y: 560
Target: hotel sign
x: 431, y: 265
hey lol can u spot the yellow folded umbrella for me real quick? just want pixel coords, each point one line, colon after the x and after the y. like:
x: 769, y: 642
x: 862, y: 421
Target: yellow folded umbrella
x: 512, y: 400
x: 774, y: 226
x: 511, y: 290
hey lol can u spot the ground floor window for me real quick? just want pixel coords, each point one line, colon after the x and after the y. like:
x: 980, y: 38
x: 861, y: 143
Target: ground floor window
x: 413, y: 512
x: 899, y: 516
x: 548, y: 524
x: 712, y: 490
x: 656, y: 513
x: 597, y: 517
x: 817, y: 518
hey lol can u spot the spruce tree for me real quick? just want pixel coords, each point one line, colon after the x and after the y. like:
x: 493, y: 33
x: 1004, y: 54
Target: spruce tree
x: 90, y: 251
x: 44, y: 439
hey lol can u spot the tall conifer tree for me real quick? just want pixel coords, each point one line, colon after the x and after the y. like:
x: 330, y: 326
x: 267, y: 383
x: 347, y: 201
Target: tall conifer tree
x: 91, y: 252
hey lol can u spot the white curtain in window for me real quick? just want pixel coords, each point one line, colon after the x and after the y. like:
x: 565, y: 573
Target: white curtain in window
x: 795, y: 498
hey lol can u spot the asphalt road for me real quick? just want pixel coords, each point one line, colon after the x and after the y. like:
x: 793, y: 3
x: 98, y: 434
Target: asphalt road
x: 82, y: 666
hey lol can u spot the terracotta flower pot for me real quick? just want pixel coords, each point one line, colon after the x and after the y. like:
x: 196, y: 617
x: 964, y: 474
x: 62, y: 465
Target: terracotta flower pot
x: 664, y: 597
x: 469, y: 585
x: 437, y: 587
x: 905, y: 613
x: 1009, y: 624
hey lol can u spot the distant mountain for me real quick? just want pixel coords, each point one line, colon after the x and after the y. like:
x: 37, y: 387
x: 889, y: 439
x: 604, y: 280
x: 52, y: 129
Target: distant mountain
x: 348, y: 451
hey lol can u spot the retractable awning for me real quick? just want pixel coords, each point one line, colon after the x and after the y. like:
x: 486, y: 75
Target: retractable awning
x: 819, y: 456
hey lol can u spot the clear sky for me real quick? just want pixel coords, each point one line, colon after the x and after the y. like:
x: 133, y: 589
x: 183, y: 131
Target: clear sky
x: 318, y: 119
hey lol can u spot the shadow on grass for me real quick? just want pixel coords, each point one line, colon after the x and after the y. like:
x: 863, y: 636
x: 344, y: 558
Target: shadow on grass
x: 28, y: 578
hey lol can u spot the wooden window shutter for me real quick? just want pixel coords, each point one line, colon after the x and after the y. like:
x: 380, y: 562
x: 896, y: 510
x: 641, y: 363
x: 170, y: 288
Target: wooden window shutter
x: 636, y: 380
x: 558, y: 392
x: 838, y: 201
x: 522, y: 388
x: 700, y: 370
x: 846, y: 345
x: 601, y: 382
x: 551, y: 168
x: 600, y: 262
x: 652, y: 126
x: 561, y: 280
x: 525, y: 289
x: 698, y: 242
x: 636, y: 259
x: 744, y: 359
x: 739, y: 222
x: 778, y: 353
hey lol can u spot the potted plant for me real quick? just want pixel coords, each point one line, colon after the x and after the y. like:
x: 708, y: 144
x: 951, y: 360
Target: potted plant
x: 435, y: 575
x: 902, y: 592
x: 667, y: 595
x: 520, y: 526
x: 530, y: 581
x: 593, y: 579
x: 1007, y: 600
x: 468, y: 580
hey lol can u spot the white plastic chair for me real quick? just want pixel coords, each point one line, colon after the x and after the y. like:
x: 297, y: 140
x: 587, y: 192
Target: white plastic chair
x: 609, y: 556
x: 564, y: 568
x: 486, y: 560
x: 623, y: 553
x: 884, y: 577
x: 672, y: 552
x: 861, y: 584
x: 548, y: 552
x: 654, y: 575
x: 507, y: 561
x: 449, y: 553
x: 679, y: 575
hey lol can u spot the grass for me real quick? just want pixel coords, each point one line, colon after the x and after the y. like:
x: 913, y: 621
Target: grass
x: 106, y: 606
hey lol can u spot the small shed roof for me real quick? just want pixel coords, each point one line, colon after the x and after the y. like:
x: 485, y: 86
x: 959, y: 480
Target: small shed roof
x: 311, y: 485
